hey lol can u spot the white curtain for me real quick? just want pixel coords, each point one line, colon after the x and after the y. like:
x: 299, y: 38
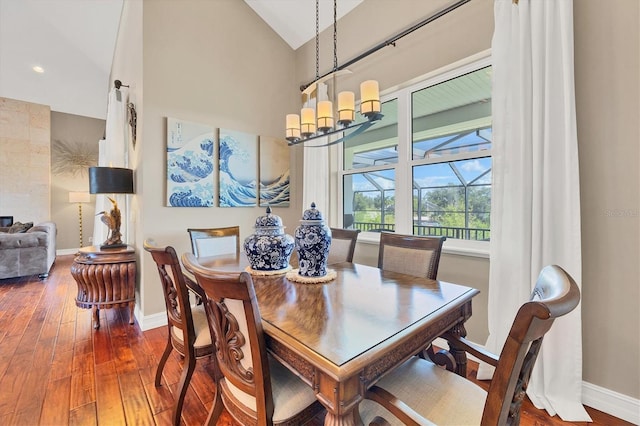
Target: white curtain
x: 113, y: 152
x: 535, y: 212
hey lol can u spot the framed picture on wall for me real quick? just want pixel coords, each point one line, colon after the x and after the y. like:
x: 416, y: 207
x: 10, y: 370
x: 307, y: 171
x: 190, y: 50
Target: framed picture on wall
x: 238, y: 169
x: 190, y: 167
x: 275, y: 181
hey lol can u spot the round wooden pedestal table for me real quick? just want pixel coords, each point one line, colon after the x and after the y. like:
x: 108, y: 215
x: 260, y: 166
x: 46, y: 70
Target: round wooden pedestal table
x: 106, y: 279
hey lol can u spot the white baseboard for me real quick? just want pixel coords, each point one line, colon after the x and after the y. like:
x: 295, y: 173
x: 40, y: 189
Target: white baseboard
x: 616, y: 404
x: 151, y: 321
x: 62, y: 252
x: 613, y: 403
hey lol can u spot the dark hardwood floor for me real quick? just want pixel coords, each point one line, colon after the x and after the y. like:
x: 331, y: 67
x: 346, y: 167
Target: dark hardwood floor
x: 55, y: 369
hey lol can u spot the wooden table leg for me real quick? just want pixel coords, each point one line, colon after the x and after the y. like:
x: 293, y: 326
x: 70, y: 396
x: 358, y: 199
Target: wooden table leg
x: 132, y: 306
x: 96, y: 317
x: 347, y: 419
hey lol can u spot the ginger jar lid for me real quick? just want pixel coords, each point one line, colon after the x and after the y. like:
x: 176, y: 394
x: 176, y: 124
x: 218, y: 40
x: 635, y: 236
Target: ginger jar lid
x: 312, y: 213
x: 269, y: 220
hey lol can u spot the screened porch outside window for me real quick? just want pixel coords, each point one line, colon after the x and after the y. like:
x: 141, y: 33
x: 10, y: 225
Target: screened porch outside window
x: 438, y: 136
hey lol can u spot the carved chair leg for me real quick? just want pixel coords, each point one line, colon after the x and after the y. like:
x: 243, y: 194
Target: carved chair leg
x: 216, y: 408
x: 163, y: 361
x: 183, y: 385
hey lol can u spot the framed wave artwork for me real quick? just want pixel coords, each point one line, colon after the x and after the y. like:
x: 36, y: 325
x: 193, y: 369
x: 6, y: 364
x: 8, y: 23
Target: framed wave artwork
x: 190, y: 166
x: 275, y: 181
x: 238, y: 169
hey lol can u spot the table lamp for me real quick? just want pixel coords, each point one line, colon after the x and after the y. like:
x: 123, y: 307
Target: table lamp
x: 111, y: 180
x: 79, y: 197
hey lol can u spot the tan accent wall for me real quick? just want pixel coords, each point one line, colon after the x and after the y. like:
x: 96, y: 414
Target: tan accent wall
x: 25, y: 157
x: 230, y: 70
x: 607, y: 75
x: 210, y: 62
x: 80, y: 136
x: 459, y: 34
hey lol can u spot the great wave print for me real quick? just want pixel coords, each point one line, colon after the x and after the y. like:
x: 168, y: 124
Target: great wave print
x: 238, y: 166
x: 190, y: 168
x: 274, y: 172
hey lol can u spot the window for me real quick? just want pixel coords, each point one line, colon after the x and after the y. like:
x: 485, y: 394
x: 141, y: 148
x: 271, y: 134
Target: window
x: 425, y: 168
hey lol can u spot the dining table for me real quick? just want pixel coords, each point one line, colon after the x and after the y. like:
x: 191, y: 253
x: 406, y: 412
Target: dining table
x: 341, y: 336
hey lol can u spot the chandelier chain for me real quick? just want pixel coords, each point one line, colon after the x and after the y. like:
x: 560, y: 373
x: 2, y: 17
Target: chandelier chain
x: 317, y: 39
x: 335, y: 35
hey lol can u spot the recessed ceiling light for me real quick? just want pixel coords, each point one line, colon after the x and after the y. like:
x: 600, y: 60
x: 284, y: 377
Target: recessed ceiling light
x: 38, y: 69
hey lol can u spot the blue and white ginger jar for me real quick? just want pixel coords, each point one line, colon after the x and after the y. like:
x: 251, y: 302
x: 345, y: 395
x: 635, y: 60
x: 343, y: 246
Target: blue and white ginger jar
x: 313, y: 239
x: 269, y: 248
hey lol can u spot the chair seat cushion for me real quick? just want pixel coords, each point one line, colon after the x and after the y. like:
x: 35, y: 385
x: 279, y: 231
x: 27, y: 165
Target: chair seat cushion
x: 201, y: 326
x: 440, y: 396
x: 290, y: 394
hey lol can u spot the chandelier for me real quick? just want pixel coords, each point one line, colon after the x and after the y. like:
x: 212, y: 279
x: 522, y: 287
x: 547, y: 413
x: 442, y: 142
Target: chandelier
x: 319, y: 122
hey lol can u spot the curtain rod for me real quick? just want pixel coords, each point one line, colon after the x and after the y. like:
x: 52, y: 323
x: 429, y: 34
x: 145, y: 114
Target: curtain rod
x: 391, y: 41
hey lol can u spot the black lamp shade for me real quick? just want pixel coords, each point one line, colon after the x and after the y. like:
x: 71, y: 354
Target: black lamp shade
x: 110, y: 180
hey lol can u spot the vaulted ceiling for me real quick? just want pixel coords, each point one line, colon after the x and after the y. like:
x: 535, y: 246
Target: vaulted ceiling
x: 74, y: 41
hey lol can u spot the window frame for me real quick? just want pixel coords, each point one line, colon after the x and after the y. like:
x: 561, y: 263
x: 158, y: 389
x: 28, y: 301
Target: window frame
x: 404, y: 166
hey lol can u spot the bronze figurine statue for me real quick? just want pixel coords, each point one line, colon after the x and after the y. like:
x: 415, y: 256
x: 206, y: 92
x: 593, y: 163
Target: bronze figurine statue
x: 113, y: 222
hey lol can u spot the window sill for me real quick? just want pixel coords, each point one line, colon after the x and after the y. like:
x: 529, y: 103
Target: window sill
x: 451, y: 246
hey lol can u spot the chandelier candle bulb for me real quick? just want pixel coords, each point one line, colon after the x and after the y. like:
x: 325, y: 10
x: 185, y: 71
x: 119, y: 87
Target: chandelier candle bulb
x: 370, y: 98
x: 307, y: 122
x: 293, y: 127
x: 346, y: 108
x: 325, y: 116
x: 332, y: 122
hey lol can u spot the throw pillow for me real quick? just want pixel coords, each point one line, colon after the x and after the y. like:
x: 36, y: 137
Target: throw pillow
x: 19, y: 227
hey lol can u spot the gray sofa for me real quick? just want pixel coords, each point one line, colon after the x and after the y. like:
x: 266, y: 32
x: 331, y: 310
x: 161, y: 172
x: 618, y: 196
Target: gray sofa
x: 29, y: 253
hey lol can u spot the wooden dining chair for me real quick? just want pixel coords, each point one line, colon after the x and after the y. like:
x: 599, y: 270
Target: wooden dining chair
x: 419, y: 392
x: 343, y: 245
x: 188, y: 328
x: 410, y: 254
x: 215, y: 241
x: 253, y: 387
